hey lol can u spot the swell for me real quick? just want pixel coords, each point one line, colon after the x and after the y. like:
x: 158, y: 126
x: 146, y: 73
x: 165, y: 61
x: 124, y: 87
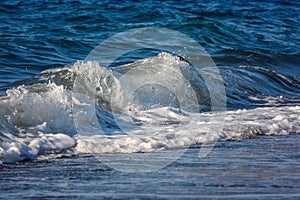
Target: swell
x: 245, y: 82
x: 241, y: 83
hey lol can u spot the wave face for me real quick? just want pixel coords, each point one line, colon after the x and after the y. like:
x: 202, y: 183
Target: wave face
x: 44, y: 117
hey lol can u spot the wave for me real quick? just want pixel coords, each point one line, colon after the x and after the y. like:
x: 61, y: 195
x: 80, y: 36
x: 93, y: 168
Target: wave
x: 59, y: 113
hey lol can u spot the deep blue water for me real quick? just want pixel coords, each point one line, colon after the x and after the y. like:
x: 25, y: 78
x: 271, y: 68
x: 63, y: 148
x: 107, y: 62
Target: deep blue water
x: 255, y: 45
x: 38, y: 35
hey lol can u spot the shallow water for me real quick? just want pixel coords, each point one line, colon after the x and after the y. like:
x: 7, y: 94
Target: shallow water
x: 265, y: 167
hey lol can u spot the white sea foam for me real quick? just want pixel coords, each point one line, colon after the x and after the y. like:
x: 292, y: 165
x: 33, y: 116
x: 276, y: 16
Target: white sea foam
x: 38, y: 119
x: 194, y: 129
x: 34, y: 120
x: 18, y: 149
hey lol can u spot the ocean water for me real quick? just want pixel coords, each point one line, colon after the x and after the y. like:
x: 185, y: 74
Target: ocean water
x: 150, y: 99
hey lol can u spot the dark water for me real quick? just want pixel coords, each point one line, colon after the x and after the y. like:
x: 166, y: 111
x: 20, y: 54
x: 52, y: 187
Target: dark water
x: 256, y: 46
x: 40, y: 35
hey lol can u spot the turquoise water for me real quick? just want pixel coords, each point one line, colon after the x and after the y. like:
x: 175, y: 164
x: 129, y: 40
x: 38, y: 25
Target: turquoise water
x: 67, y: 128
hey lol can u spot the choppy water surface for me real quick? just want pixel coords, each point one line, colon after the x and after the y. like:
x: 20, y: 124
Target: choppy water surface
x: 48, y: 111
